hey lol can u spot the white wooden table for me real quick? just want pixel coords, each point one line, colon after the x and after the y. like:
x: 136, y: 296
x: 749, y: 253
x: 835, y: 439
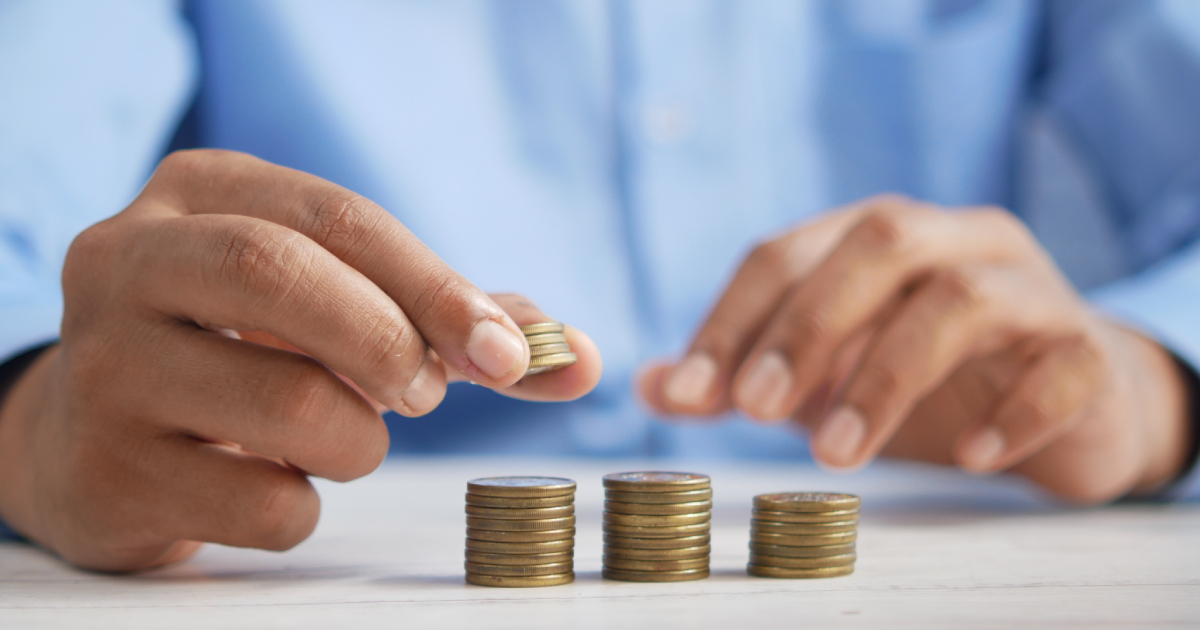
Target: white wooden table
x: 936, y: 549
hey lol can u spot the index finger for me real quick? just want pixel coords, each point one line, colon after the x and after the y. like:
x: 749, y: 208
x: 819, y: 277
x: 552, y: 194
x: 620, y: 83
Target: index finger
x: 469, y: 331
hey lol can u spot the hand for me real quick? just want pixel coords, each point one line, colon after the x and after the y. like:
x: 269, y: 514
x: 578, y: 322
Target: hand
x: 899, y: 328
x: 153, y: 427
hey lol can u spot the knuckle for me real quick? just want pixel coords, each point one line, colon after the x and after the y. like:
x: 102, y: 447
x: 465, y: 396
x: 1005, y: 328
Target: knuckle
x: 809, y: 326
x: 308, y: 402
x: 343, y: 221
x: 286, y: 515
x: 264, y: 262
x: 1035, y: 411
x: 881, y: 380
x: 885, y: 232
x: 958, y: 289
x: 438, y: 299
x: 393, y: 345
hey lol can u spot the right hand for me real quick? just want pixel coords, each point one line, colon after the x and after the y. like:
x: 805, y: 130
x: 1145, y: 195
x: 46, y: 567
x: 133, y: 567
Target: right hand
x: 152, y: 427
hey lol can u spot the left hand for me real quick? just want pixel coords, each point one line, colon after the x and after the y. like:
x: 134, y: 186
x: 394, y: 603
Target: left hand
x: 899, y: 328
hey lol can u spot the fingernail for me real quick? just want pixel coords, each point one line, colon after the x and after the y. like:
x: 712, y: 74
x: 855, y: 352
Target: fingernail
x: 980, y: 453
x: 766, y: 386
x: 838, y: 439
x: 689, y: 383
x: 494, y: 349
x: 423, y: 393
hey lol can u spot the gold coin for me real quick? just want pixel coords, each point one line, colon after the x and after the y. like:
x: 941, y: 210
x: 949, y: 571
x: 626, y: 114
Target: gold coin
x: 549, y: 348
x: 776, y: 572
x: 550, y: 362
x: 805, y: 517
x: 687, y: 496
x: 557, y: 568
x: 480, y: 557
x: 521, y: 487
x: 650, y: 520
x: 521, y: 537
x: 657, y: 554
x: 625, y: 564
x: 657, y: 532
x: 513, y: 503
x: 521, y: 548
x: 545, y: 338
x: 654, y: 576
x: 521, y: 513
x: 805, y: 540
x: 542, y: 328
x: 656, y: 481
x: 802, y: 563
x: 658, y: 508
x: 509, y: 525
x: 806, y: 502
x: 520, y: 582
x: 804, y: 528
x: 680, y: 542
x: 818, y: 551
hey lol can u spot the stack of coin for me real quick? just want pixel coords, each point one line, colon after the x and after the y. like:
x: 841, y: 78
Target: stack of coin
x: 520, y: 531
x: 803, y: 535
x: 548, y: 348
x: 656, y: 526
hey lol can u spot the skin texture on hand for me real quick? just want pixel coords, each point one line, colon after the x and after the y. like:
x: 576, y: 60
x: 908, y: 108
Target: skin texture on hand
x: 239, y: 327
x: 901, y: 329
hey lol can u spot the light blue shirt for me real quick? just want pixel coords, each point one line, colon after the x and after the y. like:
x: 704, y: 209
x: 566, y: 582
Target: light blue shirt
x: 615, y: 160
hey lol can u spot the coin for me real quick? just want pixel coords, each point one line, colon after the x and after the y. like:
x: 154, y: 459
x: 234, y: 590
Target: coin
x: 789, y: 540
x: 658, y: 508
x: 802, y: 563
x: 521, y: 487
x: 804, y: 528
x: 656, y: 543
x: 805, y: 517
x: 521, y: 548
x: 625, y: 564
x: 776, y: 572
x: 521, y: 513
x: 548, y: 362
x: 816, y: 551
x: 656, y: 481
x: 654, y: 576
x: 511, y: 525
x: 806, y: 502
x: 480, y: 557
x: 520, y: 502
x: 657, y: 554
x: 556, y: 568
x: 521, y: 537
x: 520, y: 582
x: 542, y: 328
x: 650, y: 520
x: 549, y: 348
x: 657, y: 532
x: 542, y: 339
x: 687, y: 496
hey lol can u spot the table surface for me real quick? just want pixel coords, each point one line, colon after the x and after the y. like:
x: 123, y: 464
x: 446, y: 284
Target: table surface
x: 936, y: 549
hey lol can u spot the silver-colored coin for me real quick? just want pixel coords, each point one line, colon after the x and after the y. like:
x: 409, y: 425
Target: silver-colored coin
x: 806, y: 502
x: 521, y: 487
x: 656, y: 481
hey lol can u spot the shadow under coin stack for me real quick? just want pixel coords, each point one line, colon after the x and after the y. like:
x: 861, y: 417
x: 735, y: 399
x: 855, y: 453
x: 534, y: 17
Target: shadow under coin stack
x: 803, y: 535
x: 656, y: 526
x: 520, y: 531
x: 548, y: 348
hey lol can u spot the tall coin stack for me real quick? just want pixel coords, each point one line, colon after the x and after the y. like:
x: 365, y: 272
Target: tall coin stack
x: 548, y: 348
x: 656, y: 526
x: 520, y: 531
x: 803, y: 535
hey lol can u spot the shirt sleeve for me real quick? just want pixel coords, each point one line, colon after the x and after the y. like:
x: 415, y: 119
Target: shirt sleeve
x: 92, y: 92
x: 1123, y: 80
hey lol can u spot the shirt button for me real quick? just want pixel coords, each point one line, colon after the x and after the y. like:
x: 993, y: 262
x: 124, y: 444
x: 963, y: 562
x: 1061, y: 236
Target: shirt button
x: 667, y: 123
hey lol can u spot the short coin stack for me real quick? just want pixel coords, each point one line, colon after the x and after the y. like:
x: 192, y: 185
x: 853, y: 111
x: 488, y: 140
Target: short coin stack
x: 803, y: 535
x: 548, y: 348
x: 656, y: 526
x: 520, y: 531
